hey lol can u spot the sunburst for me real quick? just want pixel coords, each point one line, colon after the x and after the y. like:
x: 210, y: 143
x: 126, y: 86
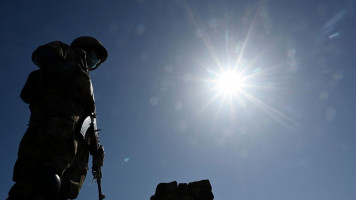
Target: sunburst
x: 236, y: 82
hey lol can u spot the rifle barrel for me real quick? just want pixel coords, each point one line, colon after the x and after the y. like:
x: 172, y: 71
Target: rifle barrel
x: 101, y: 196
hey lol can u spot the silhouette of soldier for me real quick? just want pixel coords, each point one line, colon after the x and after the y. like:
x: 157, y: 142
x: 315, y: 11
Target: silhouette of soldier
x: 53, y: 154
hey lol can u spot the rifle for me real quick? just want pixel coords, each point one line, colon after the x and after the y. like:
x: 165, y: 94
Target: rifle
x: 97, y: 175
x: 90, y: 132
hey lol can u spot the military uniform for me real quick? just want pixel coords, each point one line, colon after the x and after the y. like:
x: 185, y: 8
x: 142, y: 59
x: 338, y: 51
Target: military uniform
x: 60, y: 96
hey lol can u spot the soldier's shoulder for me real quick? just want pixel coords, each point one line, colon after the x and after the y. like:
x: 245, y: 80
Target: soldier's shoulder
x: 58, y: 44
x: 55, y: 46
x: 34, y: 73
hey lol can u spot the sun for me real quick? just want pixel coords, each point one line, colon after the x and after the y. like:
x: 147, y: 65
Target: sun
x: 238, y: 77
x: 229, y: 83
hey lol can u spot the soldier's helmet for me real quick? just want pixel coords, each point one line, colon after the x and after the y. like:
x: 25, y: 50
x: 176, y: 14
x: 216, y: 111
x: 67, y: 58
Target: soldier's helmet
x: 88, y: 43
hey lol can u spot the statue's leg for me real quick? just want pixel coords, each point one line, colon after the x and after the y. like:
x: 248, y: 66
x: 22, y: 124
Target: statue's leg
x: 45, y: 152
x: 73, y: 178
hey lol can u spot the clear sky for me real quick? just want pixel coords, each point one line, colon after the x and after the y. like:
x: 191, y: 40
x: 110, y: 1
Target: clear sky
x: 286, y: 130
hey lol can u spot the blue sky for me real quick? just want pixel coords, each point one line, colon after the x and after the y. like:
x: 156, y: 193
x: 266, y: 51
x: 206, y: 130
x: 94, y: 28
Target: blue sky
x: 287, y: 133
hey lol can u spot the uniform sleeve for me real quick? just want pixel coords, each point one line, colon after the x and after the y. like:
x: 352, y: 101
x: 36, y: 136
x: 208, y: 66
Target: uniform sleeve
x: 32, y: 90
x: 50, y: 54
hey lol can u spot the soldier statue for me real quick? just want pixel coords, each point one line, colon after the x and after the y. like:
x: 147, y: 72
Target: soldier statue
x: 53, y: 154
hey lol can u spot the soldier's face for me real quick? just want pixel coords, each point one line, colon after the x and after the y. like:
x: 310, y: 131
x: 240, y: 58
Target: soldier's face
x: 92, y: 60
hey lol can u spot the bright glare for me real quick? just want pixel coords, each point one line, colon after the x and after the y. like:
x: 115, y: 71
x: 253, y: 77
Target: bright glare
x: 238, y: 81
x: 229, y: 83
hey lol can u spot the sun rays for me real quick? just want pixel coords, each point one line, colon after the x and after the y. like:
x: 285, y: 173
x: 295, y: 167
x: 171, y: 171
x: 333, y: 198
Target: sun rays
x: 234, y: 82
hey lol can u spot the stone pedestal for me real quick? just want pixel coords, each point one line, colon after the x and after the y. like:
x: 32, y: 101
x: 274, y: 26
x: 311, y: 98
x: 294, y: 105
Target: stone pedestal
x: 199, y: 190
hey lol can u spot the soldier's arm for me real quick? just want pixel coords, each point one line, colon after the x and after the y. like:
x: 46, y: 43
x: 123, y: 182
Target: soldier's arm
x: 31, y: 92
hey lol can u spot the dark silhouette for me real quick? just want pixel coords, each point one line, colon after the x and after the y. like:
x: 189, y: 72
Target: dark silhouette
x: 53, y: 154
x: 200, y: 190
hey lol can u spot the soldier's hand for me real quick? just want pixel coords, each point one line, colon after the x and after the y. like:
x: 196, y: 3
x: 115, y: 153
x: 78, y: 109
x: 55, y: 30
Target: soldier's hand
x: 98, y: 159
x: 96, y: 171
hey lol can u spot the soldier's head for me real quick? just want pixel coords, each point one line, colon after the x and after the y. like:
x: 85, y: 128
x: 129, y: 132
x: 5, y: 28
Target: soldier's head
x: 95, y: 51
